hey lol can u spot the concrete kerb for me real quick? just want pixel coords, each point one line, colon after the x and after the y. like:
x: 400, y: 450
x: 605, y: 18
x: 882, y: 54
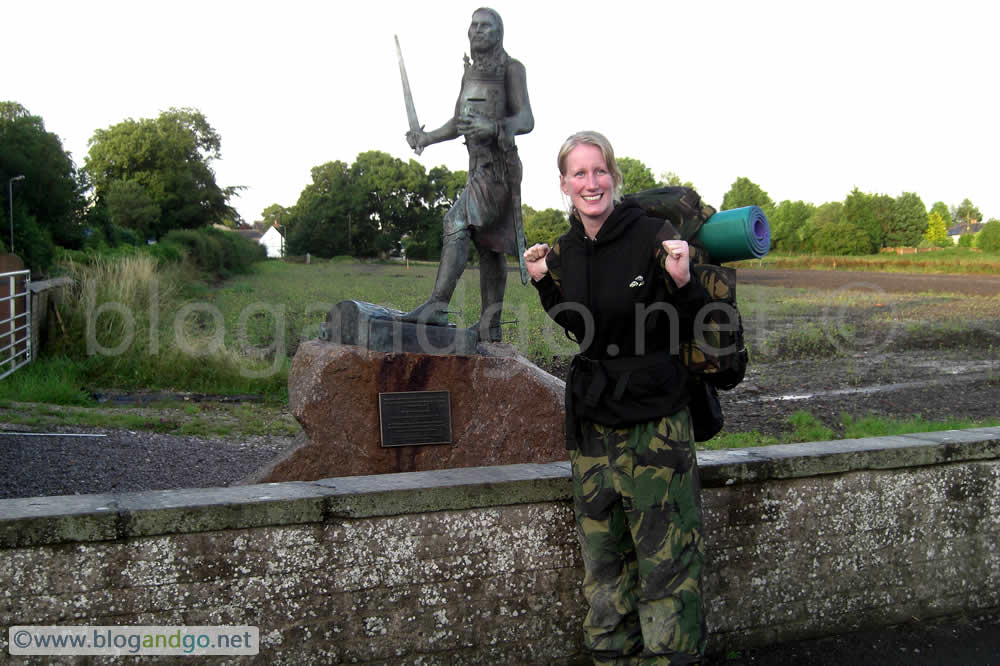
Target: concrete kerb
x: 450, y: 489
x: 788, y: 461
x: 87, y: 518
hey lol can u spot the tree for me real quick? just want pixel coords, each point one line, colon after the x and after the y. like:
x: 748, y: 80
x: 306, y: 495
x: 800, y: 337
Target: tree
x: 821, y: 220
x: 321, y: 221
x: 636, y: 176
x: 845, y: 228
x: 907, y: 222
x: 48, y: 201
x: 832, y: 233
x: 941, y: 208
x: 543, y: 226
x: 11, y: 111
x: 967, y: 215
x: 859, y: 211
x: 275, y: 213
x: 843, y: 238
x: 787, y: 221
x: 396, y: 194
x: 883, y: 206
x: 988, y: 239
x: 937, y: 230
x: 744, y: 192
x: 170, y: 158
x: 131, y: 207
x: 445, y: 185
x: 672, y: 179
x: 234, y: 220
x: 371, y: 207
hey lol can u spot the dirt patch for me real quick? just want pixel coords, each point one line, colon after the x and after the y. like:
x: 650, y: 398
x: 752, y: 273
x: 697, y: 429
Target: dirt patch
x: 898, y: 385
x: 924, y: 345
x: 892, y: 345
x: 981, y: 285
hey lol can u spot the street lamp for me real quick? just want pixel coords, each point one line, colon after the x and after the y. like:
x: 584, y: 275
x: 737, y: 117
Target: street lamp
x: 10, y: 200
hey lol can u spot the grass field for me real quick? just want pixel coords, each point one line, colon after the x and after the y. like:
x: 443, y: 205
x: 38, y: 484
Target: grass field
x: 958, y: 260
x: 293, y: 299
x: 239, y: 336
x: 805, y: 427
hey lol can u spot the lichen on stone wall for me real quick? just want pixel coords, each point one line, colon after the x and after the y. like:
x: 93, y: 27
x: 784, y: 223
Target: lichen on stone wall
x: 786, y: 558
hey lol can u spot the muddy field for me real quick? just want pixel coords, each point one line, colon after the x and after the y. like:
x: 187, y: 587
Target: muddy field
x: 971, y: 285
x: 925, y: 345
x: 886, y: 344
x: 922, y: 344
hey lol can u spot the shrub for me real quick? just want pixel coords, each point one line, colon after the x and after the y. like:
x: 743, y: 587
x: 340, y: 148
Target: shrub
x: 841, y: 238
x: 33, y: 243
x: 215, y: 251
x: 988, y: 239
x: 166, y: 253
x: 425, y: 245
x: 100, y: 252
x: 119, y: 327
x: 125, y: 236
x: 130, y: 282
x: 195, y: 246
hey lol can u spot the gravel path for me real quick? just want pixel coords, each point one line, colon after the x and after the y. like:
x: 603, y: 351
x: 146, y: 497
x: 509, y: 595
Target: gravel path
x: 109, y: 461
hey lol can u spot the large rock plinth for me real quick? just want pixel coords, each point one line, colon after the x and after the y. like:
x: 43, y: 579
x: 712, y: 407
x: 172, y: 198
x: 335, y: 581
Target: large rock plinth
x: 504, y: 410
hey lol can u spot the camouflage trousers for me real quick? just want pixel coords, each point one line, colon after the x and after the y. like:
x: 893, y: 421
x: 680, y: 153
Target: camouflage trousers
x: 638, y: 513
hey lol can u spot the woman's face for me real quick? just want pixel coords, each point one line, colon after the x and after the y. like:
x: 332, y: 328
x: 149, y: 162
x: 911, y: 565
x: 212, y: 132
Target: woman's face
x: 588, y: 183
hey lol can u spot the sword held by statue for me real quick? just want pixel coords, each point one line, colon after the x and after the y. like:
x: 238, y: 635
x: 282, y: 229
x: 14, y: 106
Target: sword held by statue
x: 411, y: 110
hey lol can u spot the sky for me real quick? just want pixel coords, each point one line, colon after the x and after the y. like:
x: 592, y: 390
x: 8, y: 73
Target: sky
x: 806, y: 99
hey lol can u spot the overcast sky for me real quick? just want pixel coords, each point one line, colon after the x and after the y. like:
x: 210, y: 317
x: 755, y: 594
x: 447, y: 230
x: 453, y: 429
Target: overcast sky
x: 806, y: 99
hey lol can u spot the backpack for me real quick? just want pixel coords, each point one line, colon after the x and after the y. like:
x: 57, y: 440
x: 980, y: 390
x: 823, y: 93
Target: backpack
x: 716, y: 358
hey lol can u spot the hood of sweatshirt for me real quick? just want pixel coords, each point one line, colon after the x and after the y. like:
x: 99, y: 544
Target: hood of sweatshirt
x: 621, y: 218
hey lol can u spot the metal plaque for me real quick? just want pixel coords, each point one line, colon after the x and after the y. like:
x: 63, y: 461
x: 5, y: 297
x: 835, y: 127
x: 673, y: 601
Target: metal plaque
x: 414, y: 418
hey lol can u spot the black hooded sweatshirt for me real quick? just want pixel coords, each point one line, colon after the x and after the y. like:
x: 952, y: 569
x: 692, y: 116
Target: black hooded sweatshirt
x: 613, y: 296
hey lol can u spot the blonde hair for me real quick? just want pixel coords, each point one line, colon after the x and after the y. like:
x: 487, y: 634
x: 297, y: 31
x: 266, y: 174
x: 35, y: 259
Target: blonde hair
x: 599, y: 141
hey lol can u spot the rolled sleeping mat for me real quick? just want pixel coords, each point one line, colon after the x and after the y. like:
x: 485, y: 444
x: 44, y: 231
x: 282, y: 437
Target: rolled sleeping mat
x: 732, y: 235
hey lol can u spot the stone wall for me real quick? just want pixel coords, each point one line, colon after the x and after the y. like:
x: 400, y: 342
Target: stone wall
x: 480, y: 565
x: 804, y: 551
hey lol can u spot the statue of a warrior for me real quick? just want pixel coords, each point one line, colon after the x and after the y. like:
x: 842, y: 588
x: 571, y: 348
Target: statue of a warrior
x: 491, y: 110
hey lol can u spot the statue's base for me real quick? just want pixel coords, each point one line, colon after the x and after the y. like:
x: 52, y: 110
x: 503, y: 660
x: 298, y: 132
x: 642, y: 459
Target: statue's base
x: 382, y: 329
x: 503, y: 410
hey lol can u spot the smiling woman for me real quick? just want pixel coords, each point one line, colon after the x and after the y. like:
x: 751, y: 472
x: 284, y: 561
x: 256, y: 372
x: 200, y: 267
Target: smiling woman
x: 625, y: 295
x: 590, y: 184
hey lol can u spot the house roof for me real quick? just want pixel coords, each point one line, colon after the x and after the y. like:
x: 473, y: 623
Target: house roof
x: 960, y: 228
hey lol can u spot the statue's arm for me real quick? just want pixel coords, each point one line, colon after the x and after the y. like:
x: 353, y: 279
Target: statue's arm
x: 519, y: 120
x: 418, y: 140
x: 446, y: 132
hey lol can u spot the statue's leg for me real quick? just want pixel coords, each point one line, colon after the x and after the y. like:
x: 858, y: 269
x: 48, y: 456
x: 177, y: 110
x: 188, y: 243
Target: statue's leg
x: 454, y: 254
x: 492, y: 282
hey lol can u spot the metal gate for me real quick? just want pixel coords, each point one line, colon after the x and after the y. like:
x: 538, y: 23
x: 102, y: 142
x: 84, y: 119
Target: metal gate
x: 15, y: 321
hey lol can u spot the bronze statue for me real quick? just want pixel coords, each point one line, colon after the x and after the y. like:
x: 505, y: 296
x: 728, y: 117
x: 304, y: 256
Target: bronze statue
x: 491, y: 110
